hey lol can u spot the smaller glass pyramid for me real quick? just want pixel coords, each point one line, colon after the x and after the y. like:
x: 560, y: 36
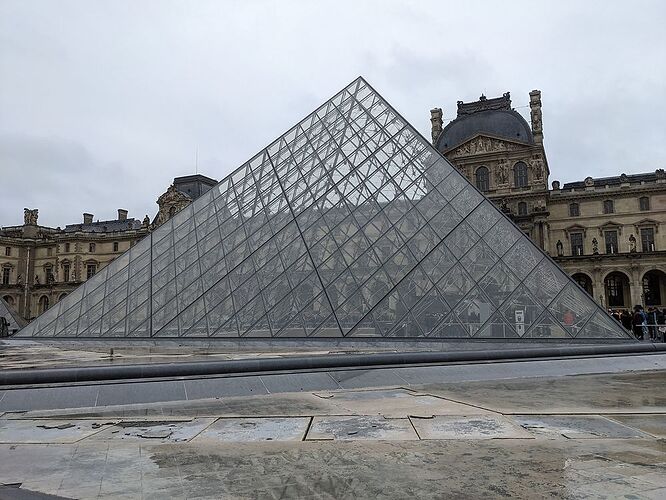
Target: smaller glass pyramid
x: 348, y: 225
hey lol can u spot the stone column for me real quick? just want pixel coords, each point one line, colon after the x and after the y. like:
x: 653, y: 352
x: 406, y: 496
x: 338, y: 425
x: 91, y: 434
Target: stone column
x: 636, y: 286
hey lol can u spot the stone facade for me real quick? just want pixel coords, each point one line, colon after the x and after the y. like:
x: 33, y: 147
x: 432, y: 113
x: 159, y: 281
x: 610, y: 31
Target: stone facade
x: 180, y: 194
x: 604, y: 232
x: 40, y: 265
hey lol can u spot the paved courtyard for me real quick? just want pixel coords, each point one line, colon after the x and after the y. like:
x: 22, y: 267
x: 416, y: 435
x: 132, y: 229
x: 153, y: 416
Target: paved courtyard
x: 587, y: 436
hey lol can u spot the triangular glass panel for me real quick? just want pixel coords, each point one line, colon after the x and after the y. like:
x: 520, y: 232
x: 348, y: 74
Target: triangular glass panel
x: 450, y: 327
x: 521, y: 310
x: 496, y: 328
x: 602, y: 326
x: 474, y: 310
x: 573, y: 309
x: 350, y: 223
x: 545, y: 327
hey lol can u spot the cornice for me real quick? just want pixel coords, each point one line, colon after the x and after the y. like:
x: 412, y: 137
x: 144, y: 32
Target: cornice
x: 606, y: 193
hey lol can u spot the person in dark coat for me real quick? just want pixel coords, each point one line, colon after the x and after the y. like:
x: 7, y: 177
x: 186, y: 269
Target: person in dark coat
x: 626, y: 319
x: 638, y: 323
x: 652, y: 323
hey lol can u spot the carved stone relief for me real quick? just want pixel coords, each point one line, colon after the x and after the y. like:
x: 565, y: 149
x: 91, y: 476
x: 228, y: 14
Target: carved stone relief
x: 481, y: 145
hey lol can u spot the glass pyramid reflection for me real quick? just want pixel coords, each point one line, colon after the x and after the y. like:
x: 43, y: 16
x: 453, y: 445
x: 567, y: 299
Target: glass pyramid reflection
x: 350, y: 224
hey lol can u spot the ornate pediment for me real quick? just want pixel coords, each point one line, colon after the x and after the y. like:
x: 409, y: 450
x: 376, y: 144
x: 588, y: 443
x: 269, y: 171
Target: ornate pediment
x: 647, y: 223
x: 482, y: 144
x: 575, y: 228
x: 172, y: 195
x: 610, y: 226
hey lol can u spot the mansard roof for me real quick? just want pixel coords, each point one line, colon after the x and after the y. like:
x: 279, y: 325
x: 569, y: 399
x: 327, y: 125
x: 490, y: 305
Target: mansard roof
x: 485, y: 116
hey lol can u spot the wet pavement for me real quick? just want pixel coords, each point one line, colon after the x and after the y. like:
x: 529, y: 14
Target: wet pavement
x: 588, y: 436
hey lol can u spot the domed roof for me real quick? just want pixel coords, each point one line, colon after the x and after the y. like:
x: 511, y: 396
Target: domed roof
x: 486, y: 116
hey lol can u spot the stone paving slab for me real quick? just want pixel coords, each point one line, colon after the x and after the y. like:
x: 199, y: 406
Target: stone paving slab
x: 430, y: 469
x: 364, y: 427
x: 48, y: 431
x: 162, y: 431
x: 392, y: 403
x: 255, y: 429
x: 469, y: 427
x: 577, y: 426
x: 610, y: 393
x: 653, y: 424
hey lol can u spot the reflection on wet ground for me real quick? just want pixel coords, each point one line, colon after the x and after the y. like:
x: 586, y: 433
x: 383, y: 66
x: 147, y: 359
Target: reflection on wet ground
x: 594, y: 436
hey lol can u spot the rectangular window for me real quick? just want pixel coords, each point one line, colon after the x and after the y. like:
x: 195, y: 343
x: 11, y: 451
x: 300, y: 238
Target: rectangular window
x: 49, y: 251
x: 647, y: 239
x: 574, y: 210
x: 91, y: 248
x: 65, y: 273
x: 644, y: 203
x: 66, y: 247
x: 608, y: 207
x: 91, y: 269
x: 610, y: 237
x: 576, y: 243
x: 5, y: 275
x: 115, y: 246
x: 522, y: 208
x: 8, y: 251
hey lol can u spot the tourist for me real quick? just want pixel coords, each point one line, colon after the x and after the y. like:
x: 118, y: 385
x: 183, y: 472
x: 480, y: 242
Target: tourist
x: 638, y: 321
x: 4, y: 327
x: 652, y: 323
x: 645, y: 322
x: 616, y: 314
x: 625, y: 319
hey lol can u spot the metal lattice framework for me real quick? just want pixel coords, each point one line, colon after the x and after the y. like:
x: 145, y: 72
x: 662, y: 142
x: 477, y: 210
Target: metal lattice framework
x: 350, y: 224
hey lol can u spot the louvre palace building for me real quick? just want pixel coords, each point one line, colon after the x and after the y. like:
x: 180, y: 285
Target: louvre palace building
x: 602, y: 232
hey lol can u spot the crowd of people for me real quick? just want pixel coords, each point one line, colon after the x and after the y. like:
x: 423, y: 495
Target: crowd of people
x: 645, y: 325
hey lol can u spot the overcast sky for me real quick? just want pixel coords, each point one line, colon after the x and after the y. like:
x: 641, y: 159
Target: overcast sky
x: 102, y: 103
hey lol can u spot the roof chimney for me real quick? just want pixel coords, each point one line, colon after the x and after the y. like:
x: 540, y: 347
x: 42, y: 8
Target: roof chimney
x: 122, y: 214
x: 87, y: 218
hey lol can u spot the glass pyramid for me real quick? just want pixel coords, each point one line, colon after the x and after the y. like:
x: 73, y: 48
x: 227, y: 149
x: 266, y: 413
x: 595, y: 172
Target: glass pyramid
x: 349, y: 225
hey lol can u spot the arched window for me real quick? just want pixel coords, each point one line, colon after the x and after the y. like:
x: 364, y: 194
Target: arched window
x: 522, y: 208
x: 520, y: 174
x: 652, y: 284
x: 482, y: 179
x: 62, y: 296
x: 574, y: 210
x: 172, y: 211
x: 616, y: 284
x: 43, y: 303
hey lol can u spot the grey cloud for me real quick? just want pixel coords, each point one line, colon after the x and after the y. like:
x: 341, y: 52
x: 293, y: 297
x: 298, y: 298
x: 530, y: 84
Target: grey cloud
x: 103, y: 103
